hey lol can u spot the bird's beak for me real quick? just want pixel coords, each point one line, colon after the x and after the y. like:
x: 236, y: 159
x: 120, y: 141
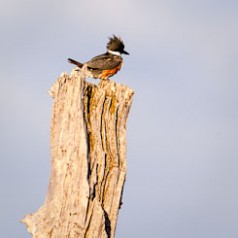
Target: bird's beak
x: 125, y: 52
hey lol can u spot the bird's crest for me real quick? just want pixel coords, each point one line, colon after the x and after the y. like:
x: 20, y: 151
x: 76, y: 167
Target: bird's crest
x: 115, y: 44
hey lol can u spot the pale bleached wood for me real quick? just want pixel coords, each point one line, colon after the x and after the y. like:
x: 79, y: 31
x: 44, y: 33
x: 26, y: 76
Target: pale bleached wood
x: 88, y: 160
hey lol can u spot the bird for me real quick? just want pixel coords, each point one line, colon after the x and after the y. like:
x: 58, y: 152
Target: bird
x: 105, y: 65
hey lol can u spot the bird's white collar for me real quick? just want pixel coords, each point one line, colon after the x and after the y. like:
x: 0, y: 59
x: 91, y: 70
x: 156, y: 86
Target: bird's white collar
x: 114, y: 52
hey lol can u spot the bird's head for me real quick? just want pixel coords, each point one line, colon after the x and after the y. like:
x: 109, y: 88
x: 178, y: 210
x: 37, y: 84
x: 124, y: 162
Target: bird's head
x: 116, y: 46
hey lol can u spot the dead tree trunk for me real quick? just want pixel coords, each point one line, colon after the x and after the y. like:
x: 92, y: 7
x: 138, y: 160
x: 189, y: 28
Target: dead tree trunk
x: 88, y: 160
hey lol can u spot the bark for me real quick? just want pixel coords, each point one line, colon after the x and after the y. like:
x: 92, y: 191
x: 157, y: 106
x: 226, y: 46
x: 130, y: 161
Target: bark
x: 88, y: 160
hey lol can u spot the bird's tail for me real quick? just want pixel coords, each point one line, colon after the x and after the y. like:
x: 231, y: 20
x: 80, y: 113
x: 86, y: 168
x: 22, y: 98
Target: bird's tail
x: 80, y: 65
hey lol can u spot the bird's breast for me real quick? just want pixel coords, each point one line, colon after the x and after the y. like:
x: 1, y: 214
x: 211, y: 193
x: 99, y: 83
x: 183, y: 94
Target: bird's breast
x: 110, y: 72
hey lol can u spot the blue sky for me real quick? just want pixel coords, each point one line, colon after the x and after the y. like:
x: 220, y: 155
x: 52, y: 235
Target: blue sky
x: 182, y: 178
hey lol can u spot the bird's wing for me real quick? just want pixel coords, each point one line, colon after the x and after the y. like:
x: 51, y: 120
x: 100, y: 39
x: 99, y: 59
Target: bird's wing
x: 103, y: 62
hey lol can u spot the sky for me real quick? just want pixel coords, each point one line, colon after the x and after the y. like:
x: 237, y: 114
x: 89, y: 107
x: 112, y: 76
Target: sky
x: 182, y: 131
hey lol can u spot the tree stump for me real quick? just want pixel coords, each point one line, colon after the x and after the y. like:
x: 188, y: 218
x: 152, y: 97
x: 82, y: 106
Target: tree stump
x: 88, y: 160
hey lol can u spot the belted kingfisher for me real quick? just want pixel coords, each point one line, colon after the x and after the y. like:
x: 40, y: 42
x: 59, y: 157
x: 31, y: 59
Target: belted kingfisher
x: 106, y: 65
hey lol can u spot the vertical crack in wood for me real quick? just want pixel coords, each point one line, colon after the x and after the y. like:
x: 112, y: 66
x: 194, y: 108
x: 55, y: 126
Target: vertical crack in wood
x: 107, y: 224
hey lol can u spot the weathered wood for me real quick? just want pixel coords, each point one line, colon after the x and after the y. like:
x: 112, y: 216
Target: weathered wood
x: 88, y: 160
